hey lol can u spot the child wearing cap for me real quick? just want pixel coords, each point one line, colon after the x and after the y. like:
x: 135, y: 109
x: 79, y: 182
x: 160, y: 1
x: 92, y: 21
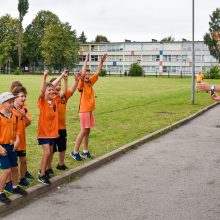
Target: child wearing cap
x: 47, y: 124
x: 9, y: 140
x: 86, y: 108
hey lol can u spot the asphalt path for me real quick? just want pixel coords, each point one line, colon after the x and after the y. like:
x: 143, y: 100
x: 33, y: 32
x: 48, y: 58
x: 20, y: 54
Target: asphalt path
x: 174, y: 177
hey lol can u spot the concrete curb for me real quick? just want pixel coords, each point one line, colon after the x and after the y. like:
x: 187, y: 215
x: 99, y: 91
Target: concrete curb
x: 39, y: 189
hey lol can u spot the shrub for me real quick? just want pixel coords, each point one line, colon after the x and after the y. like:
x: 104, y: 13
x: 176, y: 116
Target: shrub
x: 136, y: 70
x: 214, y: 73
x: 103, y: 72
x: 18, y: 71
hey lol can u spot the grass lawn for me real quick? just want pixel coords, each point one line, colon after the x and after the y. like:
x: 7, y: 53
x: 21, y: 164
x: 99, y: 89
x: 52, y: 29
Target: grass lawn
x: 127, y: 108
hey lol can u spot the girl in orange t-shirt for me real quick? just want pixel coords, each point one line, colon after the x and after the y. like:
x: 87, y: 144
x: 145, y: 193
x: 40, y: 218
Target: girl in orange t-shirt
x: 86, y: 108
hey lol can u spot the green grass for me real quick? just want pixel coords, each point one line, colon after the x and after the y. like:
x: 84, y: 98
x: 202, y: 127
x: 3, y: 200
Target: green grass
x: 127, y: 108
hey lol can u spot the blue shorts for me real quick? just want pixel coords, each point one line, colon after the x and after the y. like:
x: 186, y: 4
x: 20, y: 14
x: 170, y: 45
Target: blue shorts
x: 49, y: 141
x: 11, y: 159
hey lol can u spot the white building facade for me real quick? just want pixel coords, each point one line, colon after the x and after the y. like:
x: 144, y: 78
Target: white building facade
x: 155, y: 57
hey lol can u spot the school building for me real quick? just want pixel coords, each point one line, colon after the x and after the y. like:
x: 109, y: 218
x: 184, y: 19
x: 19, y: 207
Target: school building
x: 155, y: 57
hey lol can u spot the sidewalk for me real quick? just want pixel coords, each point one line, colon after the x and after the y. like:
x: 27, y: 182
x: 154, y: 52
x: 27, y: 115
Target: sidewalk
x: 175, y: 152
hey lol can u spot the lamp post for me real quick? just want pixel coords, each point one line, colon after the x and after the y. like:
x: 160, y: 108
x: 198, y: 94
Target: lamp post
x: 193, y: 57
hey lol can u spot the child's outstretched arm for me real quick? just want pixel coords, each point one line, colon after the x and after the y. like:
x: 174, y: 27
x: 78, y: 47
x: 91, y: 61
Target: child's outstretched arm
x: 77, y: 77
x: 103, y: 59
x: 65, y: 78
x: 43, y: 85
x: 84, y: 67
x: 58, y: 79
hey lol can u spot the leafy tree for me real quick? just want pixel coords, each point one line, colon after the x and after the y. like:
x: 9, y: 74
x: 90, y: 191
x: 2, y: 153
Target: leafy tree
x: 136, y: 70
x: 82, y: 38
x: 8, y: 42
x: 34, y: 34
x: 101, y: 38
x: 214, y: 26
x: 23, y: 6
x: 59, y: 46
x: 168, y: 39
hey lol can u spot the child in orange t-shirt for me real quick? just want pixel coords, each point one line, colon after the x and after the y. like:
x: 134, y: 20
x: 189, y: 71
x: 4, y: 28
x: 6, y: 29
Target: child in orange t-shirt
x: 61, y: 141
x: 47, y: 124
x: 86, y: 108
x: 22, y: 112
x: 9, y: 140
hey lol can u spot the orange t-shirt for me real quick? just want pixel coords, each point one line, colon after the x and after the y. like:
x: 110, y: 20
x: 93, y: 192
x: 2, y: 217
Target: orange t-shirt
x: 48, y: 118
x: 87, y: 98
x: 8, y: 129
x: 22, y: 126
x: 62, y: 110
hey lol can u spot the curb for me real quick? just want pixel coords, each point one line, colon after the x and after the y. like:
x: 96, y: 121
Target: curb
x: 39, y: 189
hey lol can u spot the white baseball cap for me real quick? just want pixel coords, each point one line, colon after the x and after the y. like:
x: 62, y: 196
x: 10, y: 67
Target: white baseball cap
x: 5, y: 96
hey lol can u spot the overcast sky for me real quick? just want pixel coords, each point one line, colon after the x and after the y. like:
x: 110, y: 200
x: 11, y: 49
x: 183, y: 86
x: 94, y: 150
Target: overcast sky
x: 136, y: 20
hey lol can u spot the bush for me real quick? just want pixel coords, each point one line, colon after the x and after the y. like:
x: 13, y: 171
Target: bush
x: 103, y: 72
x: 214, y: 73
x: 136, y: 70
x: 18, y: 71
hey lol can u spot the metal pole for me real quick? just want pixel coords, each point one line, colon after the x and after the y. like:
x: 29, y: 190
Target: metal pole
x: 193, y: 57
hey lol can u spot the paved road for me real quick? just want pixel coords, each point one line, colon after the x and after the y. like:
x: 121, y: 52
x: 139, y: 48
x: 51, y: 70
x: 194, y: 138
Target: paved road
x: 175, y: 177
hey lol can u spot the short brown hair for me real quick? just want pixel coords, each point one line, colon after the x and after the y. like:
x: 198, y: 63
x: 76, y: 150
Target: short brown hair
x: 19, y: 89
x: 15, y: 84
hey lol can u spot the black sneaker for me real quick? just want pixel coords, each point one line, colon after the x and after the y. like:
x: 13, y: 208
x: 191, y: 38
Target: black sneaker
x: 61, y: 167
x: 28, y: 175
x: 50, y: 173
x: 44, y: 180
x: 4, y: 199
x: 20, y: 191
x: 86, y: 155
x: 46, y: 174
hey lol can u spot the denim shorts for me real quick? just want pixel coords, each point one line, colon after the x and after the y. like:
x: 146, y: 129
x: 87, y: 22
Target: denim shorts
x: 11, y: 159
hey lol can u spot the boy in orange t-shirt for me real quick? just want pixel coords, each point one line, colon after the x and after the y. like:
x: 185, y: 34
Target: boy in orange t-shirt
x: 22, y: 112
x: 9, y: 140
x: 47, y: 124
x: 60, y: 142
x: 86, y: 108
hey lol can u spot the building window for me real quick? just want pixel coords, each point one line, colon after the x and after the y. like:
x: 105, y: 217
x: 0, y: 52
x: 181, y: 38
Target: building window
x: 94, y: 58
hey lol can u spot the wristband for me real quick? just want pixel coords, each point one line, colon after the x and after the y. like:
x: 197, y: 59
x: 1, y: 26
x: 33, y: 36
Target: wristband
x: 212, y: 87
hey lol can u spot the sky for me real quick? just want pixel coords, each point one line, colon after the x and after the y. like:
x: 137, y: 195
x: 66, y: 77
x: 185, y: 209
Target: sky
x: 135, y: 20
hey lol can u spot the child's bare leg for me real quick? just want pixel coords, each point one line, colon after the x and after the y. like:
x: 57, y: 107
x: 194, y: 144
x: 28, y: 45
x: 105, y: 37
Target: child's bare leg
x: 46, y: 155
x: 23, y: 166
x: 79, y: 139
x: 61, y: 157
x: 49, y: 163
x: 14, y: 175
x: 3, y: 178
x: 86, y: 140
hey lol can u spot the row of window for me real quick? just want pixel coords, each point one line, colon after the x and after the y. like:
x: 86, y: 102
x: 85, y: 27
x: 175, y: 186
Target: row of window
x: 153, y: 58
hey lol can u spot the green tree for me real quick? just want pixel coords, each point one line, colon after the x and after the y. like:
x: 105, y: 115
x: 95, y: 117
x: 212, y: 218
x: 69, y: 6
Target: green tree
x: 23, y: 6
x: 59, y: 46
x: 214, y: 26
x: 34, y: 34
x: 168, y: 39
x: 101, y: 38
x: 82, y: 38
x: 8, y: 42
x: 136, y: 70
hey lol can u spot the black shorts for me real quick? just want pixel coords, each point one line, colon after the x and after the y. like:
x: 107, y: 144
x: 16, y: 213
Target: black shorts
x: 60, y: 142
x: 21, y: 153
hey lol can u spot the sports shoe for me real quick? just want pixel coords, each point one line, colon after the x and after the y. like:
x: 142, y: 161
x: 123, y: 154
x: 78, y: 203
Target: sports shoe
x: 76, y: 156
x: 44, y: 180
x: 20, y: 191
x: 46, y: 174
x: 86, y: 155
x: 50, y: 173
x: 24, y: 182
x: 61, y: 167
x: 28, y: 175
x: 9, y: 187
x: 4, y: 198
